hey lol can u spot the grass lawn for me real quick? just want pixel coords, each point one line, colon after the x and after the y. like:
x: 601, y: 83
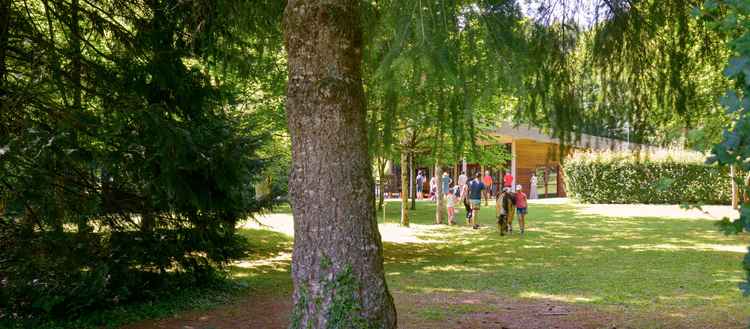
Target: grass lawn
x: 653, y: 270
x: 640, y: 272
x: 656, y: 272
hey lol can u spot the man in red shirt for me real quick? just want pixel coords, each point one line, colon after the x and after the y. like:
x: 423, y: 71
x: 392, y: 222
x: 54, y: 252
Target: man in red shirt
x: 508, y: 180
x: 487, y: 180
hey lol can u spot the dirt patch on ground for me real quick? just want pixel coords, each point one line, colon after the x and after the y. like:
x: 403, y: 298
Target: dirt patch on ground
x: 259, y: 311
x: 488, y: 311
x: 439, y: 311
x: 415, y: 311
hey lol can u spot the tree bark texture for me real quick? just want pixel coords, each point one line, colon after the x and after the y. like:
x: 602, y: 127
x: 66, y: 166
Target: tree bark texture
x: 404, y: 189
x: 337, y: 262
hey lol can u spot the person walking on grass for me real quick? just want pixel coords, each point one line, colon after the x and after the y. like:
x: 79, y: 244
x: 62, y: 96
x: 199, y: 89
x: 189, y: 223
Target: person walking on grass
x: 508, y: 180
x: 420, y: 185
x: 462, y: 179
x: 475, y: 195
x: 446, y: 180
x: 521, y: 207
x: 487, y: 180
x: 505, y: 204
x: 451, y: 204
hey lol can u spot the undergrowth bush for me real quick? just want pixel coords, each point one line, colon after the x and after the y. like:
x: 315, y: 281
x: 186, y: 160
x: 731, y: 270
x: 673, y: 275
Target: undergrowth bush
x: 666, y: 177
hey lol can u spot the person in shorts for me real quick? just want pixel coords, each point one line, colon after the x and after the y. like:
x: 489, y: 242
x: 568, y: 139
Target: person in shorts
x: 521, y: 207
x: 463, y: 193
x: 476, y: 187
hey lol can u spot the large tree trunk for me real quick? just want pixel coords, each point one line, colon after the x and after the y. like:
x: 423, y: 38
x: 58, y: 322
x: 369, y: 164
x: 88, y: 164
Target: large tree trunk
x: 337, y: 262
x: 404, y: 189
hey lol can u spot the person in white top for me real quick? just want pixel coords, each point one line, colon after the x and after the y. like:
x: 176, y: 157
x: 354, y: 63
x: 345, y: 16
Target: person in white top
x: 433, y: 188
x: 462, y: 179
x: 532, y: 187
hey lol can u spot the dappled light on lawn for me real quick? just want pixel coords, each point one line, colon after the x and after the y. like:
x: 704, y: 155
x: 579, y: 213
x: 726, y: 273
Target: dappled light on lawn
x: 656, y: 211
x: 559, y: 298
x: 699, y: 247
x: 662, y: 271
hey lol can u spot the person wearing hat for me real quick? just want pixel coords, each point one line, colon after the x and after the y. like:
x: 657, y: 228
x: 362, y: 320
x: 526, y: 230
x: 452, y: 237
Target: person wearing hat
x: 521, y: 207
x: 446, y: 181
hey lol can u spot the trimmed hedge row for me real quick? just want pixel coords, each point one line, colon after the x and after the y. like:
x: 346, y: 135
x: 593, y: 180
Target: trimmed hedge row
x: 593, y: 179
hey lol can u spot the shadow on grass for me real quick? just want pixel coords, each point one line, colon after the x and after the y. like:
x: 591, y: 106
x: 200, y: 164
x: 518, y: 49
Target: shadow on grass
x: 644, y: 263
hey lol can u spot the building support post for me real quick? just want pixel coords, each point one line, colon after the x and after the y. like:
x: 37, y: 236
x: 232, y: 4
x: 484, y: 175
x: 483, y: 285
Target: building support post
x: 513, y: 151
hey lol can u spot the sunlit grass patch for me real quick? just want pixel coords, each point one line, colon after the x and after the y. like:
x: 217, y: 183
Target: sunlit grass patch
x: 673, y: 265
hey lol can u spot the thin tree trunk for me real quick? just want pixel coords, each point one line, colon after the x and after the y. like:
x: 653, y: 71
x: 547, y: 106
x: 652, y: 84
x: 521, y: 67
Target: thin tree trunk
x: 735, y: 195
x: 76, y: 58
x: 337, y: 262
x: 404, y: 188
x: 77, y: 89
x: 381, y: 181
x: 455, y: 172
x: 412, y: 183
x: 440, y: 208
x: 4, y: 30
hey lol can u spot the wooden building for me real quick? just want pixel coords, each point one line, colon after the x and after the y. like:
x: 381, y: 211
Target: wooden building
x: 535, y: 152
x: 532, y: 152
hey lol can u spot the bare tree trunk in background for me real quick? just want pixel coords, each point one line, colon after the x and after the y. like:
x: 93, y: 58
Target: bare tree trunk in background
x: 440, y: 207
x: 412, y: 183
x: 4, y: 30
x: 735, y: 194
x: 381, y: 181
x: 77, y: 88
x: 455, y: 171
x: 404, y: 187
x: 337, y: 262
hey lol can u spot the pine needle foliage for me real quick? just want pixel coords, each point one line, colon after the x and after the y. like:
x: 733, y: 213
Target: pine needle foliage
x: 122, y: 170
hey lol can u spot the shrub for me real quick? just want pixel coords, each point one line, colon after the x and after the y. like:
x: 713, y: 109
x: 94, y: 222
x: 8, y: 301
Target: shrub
x: 663, y: 177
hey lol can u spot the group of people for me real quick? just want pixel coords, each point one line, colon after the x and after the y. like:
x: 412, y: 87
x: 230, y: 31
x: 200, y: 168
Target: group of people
x: 508, y: 202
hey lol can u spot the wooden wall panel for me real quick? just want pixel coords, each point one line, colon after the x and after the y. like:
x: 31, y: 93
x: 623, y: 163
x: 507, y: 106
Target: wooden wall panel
x: 531, y: 155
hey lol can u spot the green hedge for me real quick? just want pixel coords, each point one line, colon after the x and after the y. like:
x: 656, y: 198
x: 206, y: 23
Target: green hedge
x: 623, y: 179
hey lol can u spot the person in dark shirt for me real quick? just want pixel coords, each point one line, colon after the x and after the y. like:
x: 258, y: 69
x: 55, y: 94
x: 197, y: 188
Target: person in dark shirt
x: 504, y: 206
x: 475, y: 196
x: 420, y: 185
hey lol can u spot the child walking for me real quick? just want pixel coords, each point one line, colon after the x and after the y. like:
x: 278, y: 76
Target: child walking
x: 451, y: 206
x: 521, y: 207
